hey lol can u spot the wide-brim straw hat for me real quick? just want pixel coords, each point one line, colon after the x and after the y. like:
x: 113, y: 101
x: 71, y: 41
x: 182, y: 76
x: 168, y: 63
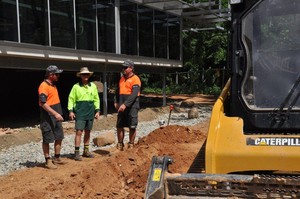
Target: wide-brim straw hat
x: 84, y: 70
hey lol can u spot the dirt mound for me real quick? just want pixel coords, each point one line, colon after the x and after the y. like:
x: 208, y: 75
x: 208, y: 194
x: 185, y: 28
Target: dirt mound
x: 172, y: 134
x: 111, y: 174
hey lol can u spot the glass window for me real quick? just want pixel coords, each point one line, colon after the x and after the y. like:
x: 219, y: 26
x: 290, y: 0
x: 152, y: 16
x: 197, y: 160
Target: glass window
x: 62, y: 23
x: 106, y: 26
x: 145, y: 18
x: 174, y: 37
x: 128, y: 23
x: 86, y: 25
x: 270, y: 35
x: 8, y: 21
x: 34, y: 21
x: 160, y: 21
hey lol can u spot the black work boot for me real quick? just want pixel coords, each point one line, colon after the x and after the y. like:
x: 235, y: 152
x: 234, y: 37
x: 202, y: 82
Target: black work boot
x: 87, y: 154
x: 77, y: 156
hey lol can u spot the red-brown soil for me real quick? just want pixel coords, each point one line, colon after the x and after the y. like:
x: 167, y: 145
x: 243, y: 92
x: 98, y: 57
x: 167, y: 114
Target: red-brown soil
x: 111, y: 174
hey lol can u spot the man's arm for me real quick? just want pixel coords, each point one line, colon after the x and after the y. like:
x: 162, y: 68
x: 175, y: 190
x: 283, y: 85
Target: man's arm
x: 71, y: 104
x: 135, y: 91
x: 96, y: 102
x: 130, y: 100
x: 116, y: 98
x: 46, y: 107
x: 50, y: 110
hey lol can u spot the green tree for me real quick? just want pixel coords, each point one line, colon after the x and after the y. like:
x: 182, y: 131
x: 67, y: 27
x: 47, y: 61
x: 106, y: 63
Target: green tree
x: 204, y: 53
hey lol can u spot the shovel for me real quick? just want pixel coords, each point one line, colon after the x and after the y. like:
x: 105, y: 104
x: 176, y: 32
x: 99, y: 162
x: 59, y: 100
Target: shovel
x: 171, y: 109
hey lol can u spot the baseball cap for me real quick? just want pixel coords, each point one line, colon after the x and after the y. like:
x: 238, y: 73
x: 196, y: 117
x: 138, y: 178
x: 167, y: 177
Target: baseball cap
x: 128, y: 63
x: 53, y: 69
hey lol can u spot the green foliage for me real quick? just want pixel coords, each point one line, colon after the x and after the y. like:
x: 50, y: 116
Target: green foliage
x: 152, y: 90
x: 204, y: 54
x: 214, y: 90
x: 211, y: 82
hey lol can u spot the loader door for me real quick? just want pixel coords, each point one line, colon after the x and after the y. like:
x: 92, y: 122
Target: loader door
x: 267, y: 71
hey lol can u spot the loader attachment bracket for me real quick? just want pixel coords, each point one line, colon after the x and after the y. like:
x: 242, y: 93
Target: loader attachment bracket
x: 162, y: 184
x: 155, y: 183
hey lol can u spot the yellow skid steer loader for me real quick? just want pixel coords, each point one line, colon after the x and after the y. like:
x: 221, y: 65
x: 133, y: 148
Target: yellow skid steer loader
x: 253, y: 144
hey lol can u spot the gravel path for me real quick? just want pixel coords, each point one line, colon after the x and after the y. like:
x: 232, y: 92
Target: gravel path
x: 30, y: 154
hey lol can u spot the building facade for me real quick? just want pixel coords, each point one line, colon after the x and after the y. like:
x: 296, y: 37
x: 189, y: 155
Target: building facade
x: 101, y: 31
x: 100, y: 34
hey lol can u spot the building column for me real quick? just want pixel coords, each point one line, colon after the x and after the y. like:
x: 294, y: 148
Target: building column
x: 104, y: 94
x: 164, y: 90
x: 117, y: 27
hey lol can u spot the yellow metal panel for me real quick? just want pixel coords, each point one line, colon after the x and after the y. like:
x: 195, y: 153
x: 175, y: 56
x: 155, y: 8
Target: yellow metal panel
x: 228, y: 152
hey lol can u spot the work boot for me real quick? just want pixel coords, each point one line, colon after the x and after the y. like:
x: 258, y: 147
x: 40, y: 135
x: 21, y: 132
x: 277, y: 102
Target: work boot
x: 120, y: 146
x: 57, y: 161
x: 77, y: 156
x: 87, y: 154
x: 130, y: 145
x: 49, y: 164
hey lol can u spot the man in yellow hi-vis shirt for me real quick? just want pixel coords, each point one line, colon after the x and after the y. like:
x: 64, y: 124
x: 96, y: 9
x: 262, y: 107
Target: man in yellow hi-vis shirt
x: 83, y: 106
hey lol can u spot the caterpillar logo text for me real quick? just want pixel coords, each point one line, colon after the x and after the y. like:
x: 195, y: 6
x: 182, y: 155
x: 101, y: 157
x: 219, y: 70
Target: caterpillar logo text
x: 273, y: 141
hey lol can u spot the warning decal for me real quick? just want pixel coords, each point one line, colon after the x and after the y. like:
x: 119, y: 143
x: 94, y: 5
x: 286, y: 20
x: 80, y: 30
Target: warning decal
x: 156, y: 174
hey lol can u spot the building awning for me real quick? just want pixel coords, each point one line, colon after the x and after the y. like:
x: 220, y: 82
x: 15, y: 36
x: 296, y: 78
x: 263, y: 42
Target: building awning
x: 28, y: 56
x: 204, y: 14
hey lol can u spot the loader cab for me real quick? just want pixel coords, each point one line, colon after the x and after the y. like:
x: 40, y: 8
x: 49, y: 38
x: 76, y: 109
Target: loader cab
x: 265, y: 65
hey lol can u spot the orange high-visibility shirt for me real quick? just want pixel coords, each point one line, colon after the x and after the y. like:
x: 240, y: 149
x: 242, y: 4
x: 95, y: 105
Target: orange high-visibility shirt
x: 51, y: 92
x: 125, y: 85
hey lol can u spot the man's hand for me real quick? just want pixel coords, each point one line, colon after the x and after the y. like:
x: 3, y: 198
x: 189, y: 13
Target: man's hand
x: 116, y: 105
x: 97, y: 115
x: 122, y: 108
x: 50, y: 110
x: 58, y: 117
x: 71, y: 116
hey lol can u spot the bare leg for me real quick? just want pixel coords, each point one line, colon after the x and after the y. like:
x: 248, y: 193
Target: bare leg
x: 120, y: 132
x: 77, y: 144
x: 46, y: 150
x: 86, y: 141
x: 57, y: 146
x: 78, y: 138
x: 120, y: 135
x: 86, y: 138
x: 132, y: 134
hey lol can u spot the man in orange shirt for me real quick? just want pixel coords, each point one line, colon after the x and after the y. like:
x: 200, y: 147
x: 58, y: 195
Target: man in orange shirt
x: 127, y: 103
x: 51, y: 116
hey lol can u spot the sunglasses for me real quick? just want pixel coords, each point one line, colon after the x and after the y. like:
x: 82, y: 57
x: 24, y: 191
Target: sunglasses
x: 125, y: 67
x: 85, y: 74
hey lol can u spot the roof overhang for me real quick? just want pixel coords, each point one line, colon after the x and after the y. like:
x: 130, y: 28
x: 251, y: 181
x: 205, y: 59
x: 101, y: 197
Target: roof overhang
x: 204, y: 14
x: 28, y: 56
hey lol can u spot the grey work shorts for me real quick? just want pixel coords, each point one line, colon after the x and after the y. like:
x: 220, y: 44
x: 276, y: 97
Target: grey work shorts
x: 84, y: 124
x: 51, y: 131
x: 128, y: 118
